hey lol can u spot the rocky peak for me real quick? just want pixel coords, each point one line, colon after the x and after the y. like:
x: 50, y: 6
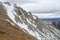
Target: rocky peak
x: 28, y: 23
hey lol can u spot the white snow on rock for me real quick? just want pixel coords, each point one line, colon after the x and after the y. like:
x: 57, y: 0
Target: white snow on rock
x: 46, y: 30
x: 34, y: 17
x: 31, y: 23
x: 10, y: 10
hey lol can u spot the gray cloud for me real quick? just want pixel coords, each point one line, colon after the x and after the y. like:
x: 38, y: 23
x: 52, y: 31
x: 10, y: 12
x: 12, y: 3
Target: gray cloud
x: 43, y: 6
x: 21, y: 1
x: 38, y: 5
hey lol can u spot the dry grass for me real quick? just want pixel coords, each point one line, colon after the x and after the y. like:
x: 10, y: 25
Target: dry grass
x: 8, y: 32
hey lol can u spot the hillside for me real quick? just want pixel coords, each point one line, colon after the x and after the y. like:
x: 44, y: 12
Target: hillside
x: 22, y: 25
x: 9, y: 31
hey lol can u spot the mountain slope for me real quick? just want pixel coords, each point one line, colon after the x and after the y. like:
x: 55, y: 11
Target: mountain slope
x: 9, y: 30
x: 29, y: 23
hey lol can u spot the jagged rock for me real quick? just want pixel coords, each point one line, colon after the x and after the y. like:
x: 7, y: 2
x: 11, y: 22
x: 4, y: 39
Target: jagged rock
x: 56, y: 24
x: 9, y: 31
x: 16, y: 19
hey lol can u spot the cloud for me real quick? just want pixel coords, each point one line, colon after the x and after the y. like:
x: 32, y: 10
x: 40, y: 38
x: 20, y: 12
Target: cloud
x: 47, y: 15
x: 38, y: 6
x: 2, y: 0
x: 19, y: 2
x: 43, y: 6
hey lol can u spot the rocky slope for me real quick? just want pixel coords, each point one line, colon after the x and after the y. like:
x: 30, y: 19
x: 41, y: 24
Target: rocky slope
x: 56, y: 24
x: 9, y: 30
x: 28, y: 23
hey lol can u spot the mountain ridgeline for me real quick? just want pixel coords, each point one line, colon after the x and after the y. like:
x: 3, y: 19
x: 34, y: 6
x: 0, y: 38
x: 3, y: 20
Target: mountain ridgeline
x: 28, y: 23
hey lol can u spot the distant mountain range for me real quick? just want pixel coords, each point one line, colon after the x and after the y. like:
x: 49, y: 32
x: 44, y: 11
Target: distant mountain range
x: 51, y: 19
x: 48, y: 16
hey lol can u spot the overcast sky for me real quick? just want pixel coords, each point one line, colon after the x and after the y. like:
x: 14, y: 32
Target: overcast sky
x: 38, y: 5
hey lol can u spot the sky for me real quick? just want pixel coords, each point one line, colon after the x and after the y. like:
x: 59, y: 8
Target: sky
x: 38, y: 6
x: 42, y: 6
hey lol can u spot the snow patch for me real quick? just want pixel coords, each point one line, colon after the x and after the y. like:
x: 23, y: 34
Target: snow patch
x: 10, y: 10
x: 34, y: 17
x: 31, y: 23
x: 23, y: 26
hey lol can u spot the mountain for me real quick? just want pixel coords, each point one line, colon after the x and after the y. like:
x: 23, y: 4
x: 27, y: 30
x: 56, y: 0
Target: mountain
x: 48, y: 16
x: 28, y: 23
x: 9, y: 30
x: 51, y: 19
x: 56, y: 24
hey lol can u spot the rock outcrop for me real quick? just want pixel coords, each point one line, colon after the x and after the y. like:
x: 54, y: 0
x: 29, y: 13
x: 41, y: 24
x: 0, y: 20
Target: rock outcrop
x: 9, y: 30
x: 56, y: 25
x: 17, y: 23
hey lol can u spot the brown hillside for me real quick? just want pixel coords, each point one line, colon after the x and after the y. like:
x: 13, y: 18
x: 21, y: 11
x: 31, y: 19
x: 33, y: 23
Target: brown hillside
x: 8, y: 32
